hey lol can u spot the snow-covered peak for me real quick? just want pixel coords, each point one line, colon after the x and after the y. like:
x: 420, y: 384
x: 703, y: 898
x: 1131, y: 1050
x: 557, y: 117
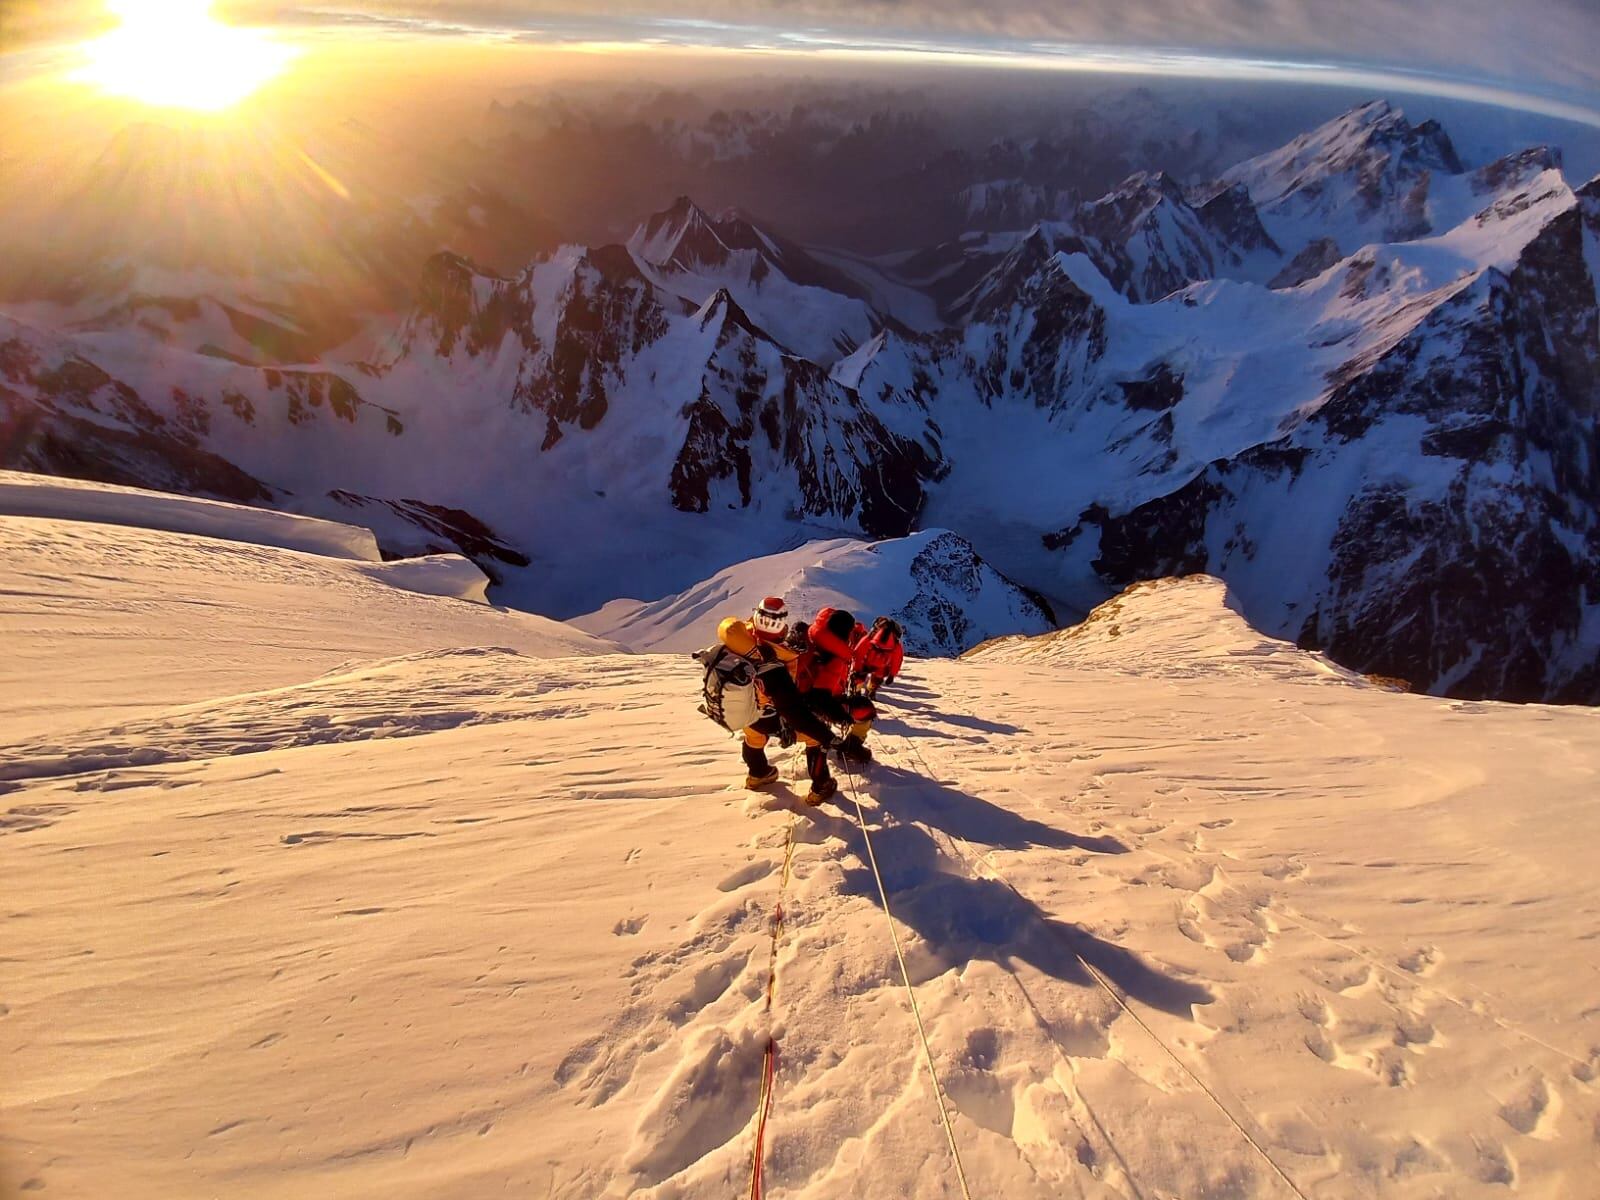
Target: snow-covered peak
x: 1372, y: 143
x: 1371, y: 176
x: 1018, y: 274
x: 933, y: 582
x: 1141, y: 191
x: 808, y: 305
x: 682, y: 237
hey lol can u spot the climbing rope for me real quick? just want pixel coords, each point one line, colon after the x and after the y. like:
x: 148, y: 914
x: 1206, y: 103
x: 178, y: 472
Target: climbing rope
x: 911, y: 994
x: 1121, y: 1002
x: 769, y: 1061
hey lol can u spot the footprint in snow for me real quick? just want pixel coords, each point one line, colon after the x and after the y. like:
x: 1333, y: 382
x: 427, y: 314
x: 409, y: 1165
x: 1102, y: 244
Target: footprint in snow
x: 1533, y: 1109
x: 1424, y: 960
x: 745, y: 876
x: 1494, y: 1165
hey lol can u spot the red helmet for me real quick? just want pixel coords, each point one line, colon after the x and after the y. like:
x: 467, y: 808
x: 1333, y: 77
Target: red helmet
x: 770, y: 622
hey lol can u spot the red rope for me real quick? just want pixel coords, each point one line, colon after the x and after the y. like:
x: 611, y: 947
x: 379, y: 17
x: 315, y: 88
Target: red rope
x: 769, y: 1064
x: 769, y: 1069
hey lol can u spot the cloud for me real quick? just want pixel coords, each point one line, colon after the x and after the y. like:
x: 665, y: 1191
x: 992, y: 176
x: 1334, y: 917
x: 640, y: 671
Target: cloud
x: 1531, y: 43
x: 1535, y: 54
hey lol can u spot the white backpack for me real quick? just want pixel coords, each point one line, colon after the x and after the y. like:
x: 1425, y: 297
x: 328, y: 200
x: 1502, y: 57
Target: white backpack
x: 729, y: 689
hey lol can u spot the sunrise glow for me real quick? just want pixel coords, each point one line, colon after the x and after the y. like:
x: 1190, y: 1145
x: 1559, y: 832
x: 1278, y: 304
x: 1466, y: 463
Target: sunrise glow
x: 173, y: 54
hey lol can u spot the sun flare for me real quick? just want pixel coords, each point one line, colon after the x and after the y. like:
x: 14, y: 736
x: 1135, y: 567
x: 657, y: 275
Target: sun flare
x: 173, y: 54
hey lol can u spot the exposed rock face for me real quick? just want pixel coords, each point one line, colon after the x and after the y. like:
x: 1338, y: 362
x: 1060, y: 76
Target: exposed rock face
x: 570, y: 359
x: 1312, y: 261
x: 1035, y: 333
x: 1469, y: 564
x: 1232, y: 219
x: 609, y: 315
x: 765, y: 428
x: 762, y: 414
x: 951, y: 578
x: 1149, y: 242
x: 409, y: 528
x: 63, y: 415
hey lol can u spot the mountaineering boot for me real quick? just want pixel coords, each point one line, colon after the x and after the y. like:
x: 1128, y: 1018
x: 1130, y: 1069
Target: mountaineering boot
x: 755, y: 781
x: 854, y: 750
x: 822, y: 789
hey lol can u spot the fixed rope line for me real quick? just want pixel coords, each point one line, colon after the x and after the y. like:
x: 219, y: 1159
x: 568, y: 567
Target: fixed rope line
x: 769, y: 1059
x: 1094, y: 973
x: 1074, y: 1095
x: 911, y: 993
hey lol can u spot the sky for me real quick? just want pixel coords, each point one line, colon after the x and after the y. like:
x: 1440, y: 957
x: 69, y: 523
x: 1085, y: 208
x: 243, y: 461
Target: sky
x: 1531, y: 54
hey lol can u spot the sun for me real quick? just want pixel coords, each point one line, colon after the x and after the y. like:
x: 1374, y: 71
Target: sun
x: 173, y: 54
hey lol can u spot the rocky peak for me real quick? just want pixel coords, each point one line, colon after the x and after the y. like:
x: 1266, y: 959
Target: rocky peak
x: 682, y: 236
x: 1117, y: 215
x: 1017, y: 275
x: 1231, y: 216
x: 737, y: 231
x: 1379, y: 125
x: 1515, y: 170
x: 723, y: 313
x: 450, y: 300
x: 1373, y: 145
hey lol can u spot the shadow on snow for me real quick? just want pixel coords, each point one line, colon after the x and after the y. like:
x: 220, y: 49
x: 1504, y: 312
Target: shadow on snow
x: 962, y: 918
x: 959, y: 720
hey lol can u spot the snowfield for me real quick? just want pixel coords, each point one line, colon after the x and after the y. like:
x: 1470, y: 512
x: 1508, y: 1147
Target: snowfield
x: 23, y: 494
x: 319, y: 887
x: 102, y: 621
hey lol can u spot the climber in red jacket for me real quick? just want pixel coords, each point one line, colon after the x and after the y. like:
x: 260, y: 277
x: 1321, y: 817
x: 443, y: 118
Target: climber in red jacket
x: 878, y: 657
x: 823, y: 675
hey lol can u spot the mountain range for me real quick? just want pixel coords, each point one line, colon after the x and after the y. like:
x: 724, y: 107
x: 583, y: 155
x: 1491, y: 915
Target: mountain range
x: 1355, y: 377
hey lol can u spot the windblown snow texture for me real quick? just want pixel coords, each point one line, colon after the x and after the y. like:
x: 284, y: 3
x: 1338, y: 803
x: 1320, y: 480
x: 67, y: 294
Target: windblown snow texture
x: 324, y: 887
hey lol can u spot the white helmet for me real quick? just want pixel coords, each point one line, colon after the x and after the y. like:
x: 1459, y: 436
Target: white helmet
x: 771, y: 619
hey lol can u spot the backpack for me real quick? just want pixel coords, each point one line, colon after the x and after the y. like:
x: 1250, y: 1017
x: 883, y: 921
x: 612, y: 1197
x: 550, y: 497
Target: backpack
x: 729, y: 688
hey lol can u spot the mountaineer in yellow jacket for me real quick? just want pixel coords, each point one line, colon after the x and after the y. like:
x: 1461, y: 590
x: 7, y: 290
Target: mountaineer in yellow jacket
x: 763, y: 641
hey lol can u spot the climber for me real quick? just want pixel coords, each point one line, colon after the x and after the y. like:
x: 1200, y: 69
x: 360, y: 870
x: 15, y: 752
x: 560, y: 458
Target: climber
x: 778, y: 704
x: 823, y: 673
x: 878, y: 657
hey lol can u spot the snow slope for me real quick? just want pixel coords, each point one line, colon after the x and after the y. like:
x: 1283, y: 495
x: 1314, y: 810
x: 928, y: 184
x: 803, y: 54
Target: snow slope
x: 1186, y: 914
x: 944, y: 595
x: 27, y: 495
x: 106, y: 620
